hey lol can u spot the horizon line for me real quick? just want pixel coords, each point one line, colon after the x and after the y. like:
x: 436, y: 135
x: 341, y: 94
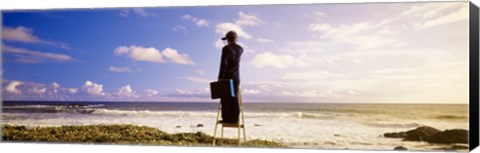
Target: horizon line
x: 398, y: 103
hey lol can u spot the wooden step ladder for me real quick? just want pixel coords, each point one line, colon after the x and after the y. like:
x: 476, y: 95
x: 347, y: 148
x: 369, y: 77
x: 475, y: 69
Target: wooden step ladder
x: 239, y: 125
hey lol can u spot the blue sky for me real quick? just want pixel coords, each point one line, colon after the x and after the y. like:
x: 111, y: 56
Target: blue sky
x: 354, y: 53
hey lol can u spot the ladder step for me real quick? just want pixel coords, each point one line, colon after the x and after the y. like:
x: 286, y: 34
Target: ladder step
x: 231, y: 125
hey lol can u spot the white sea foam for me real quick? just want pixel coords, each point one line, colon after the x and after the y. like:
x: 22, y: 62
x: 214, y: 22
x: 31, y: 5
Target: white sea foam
x: 209, y: 114
x: 51, y: 106
x: 404, y: 125
x: 29, y: 106
x: 94, y: 106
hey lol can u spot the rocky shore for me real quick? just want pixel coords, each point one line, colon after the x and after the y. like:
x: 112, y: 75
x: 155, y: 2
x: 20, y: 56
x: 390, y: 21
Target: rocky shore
x: 457, y: 138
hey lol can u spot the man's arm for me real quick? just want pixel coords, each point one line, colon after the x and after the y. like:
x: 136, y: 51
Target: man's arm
x: 223, y: 64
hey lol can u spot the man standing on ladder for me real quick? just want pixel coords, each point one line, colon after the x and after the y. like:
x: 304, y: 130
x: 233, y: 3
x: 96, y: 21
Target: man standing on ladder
x: 230, y: 69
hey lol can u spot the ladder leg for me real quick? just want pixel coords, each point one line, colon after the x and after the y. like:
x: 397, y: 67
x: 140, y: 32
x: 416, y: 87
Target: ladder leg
x: 244, y: 128
x: 214, y: 134
x: 216, y: 125
x: 221, y: 137
x: 243, y: 120
x: 244, y: 133
x: 239, y: 135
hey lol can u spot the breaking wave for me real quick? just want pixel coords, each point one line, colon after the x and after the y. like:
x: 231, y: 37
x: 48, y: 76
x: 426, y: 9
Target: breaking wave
x: 206, y: 114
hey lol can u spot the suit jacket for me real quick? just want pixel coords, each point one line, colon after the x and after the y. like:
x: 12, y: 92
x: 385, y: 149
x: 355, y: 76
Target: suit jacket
x: 230, y: 62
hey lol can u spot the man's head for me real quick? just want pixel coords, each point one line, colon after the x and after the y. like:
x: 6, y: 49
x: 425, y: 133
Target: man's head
x: 231, y: 37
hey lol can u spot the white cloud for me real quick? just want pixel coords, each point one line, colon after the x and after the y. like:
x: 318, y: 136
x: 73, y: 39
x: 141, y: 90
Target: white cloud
x: 375, y: 75
x: 39, y: 91
x: 203, y: 91
x: 400, y: 44
x: 174, y: 57
x: 124, y: 12
x: 322, y: 27
x: 266, y: 59
x: 143, y: 13
x: 126, y: 91
x: 247, y: 19
x: 200, y: 72
x: 35, y: 91
x: 202, y: 22
x: 189, y: 95
x: 251, y: 91
x: 139, y: 11
x: 311, y: 75
x: 20, y: 34
x: 304, y: 93
x: 459, y: 15
x: 198, y: 80
x: 72, y: 90
x: 28, y: 56
x: 219, y: 43
x: 431, y: 14
x: 265, y: 40
x: 306, y: 46
x: 122, y: 69
x: 181, y: 29
x: 427, y: 15
x: 243, y: 20
x: 152, y: 93
x: 376, y: 33
x: 316, y: 15
x: 25, y: 35
x: 361, y: 36
x: 93, y: 88
x: 383, y: 77
x: 12, y: 87
x: 198, y: 21
x: 223, y: 28
x: 151, y: 54
x: 55, y: 87
x: 187, y: 16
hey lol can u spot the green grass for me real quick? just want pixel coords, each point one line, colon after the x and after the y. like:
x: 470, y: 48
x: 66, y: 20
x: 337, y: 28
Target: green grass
x: 117, y: 134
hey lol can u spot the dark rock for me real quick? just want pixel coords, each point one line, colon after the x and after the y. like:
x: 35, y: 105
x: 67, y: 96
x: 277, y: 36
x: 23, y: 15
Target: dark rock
x: 432, y: 135
x: 454, y: 148
x: 460, y: 147
x: 199, y: 125
x: 400, y: 148
x: 337, y: 135
x: 420, y: 133
x: 257, y: 125
x: 178, y: 126
x: 450, y: 136
x: 395, y: 135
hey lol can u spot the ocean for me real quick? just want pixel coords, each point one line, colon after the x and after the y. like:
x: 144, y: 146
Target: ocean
x: 299, y: 125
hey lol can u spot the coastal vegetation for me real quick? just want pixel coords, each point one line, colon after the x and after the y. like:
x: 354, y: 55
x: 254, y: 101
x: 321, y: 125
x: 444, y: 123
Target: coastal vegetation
x: 118, y: 134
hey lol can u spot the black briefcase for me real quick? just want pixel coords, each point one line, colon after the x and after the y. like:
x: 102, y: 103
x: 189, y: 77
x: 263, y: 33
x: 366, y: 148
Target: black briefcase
x: 222, y: 89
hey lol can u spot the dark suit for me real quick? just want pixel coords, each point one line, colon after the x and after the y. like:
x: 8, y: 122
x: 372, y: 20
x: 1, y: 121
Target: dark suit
x: 229, y: 69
